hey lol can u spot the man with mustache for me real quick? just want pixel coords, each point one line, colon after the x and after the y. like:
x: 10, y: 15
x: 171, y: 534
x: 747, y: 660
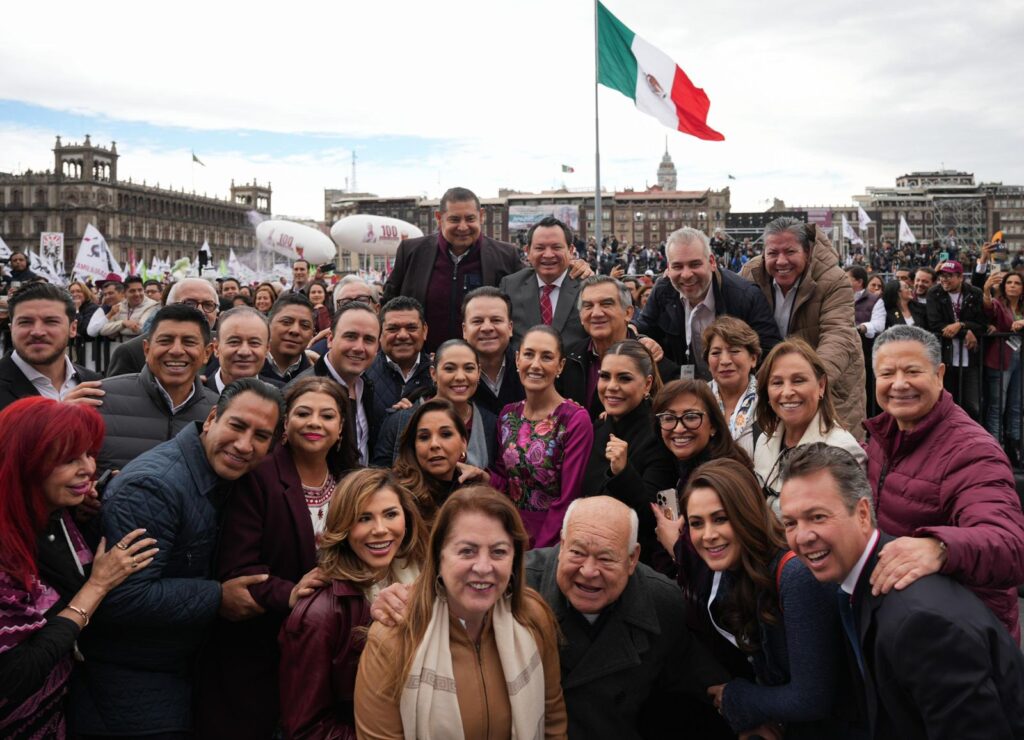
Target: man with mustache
x: 401, y: 367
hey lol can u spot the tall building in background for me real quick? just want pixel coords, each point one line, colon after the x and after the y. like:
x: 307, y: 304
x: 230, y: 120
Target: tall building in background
x: 83, y: 188
x: 666, y: 171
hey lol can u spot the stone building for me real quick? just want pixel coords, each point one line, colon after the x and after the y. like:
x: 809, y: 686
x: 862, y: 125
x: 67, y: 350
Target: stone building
x: 83, y: 188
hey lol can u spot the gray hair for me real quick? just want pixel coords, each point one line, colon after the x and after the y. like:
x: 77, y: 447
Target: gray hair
x: 238, y: 312
x: 688, y: 235
x: 348, y: 280
x: 802, y: 232
x: 625, y: 297
x: 172, y: 294
x: 848, y: 474
x: 634, y: 523
x: 904, y: 333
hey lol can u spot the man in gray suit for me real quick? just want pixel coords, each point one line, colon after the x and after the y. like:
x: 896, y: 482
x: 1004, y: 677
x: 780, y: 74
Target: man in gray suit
x: 545, y: 292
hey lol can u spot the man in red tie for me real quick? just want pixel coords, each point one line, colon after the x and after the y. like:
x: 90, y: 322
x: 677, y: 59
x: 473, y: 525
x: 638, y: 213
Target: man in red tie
x: 545, y: 292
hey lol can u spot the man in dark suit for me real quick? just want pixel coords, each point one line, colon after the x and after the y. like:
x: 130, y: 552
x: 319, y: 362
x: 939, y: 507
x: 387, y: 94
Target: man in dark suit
x: 692, y: 294
x: 447, y: 265
x: 42, y: 318
x: 354, y: 346
x: 956, y: 314
x: 487, y: 327
x: 931, y: 659
x: 545, y: 293
x: 243, y: 337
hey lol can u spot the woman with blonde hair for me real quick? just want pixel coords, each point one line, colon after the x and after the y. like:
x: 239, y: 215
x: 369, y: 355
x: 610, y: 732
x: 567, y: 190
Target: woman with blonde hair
x: 374, y: 537
x: 471, y: 624
x: 263, y: 297
x: 82, y: 347
x: 795, y: 407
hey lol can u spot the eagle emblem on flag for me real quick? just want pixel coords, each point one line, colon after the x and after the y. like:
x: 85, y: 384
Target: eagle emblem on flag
x: 656, y: 88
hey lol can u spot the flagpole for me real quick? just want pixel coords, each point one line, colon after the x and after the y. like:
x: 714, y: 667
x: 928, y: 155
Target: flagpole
x: 598, y: 220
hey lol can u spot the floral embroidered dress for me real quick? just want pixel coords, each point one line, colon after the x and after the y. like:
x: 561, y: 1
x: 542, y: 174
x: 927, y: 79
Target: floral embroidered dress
x: 741, y: 423
x: 541, y: 465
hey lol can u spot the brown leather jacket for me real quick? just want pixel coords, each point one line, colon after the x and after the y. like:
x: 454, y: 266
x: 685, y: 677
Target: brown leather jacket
x: 479, y: 681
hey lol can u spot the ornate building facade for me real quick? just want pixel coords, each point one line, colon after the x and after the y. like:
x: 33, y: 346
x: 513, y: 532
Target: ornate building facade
x: 83, y: 188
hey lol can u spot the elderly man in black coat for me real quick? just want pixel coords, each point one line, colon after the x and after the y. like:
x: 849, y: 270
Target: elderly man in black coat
x: 692, y: 294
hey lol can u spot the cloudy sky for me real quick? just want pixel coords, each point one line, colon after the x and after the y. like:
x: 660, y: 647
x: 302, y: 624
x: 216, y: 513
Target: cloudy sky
x: 816, y: 99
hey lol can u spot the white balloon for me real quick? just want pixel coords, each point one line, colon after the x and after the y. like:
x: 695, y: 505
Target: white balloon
x: 376, y: 235
x: 297, y: 241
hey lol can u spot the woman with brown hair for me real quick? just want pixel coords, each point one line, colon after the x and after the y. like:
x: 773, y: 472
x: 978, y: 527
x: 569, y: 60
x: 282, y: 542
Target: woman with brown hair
x: 431, y: 450
x: 794, y: 407
x: 473, y: 624
x: 764, y: 606
x: 263, y: 297
x: 628, y: 460
x: 731, y: 352
x: 272, y: 527
x: 374, y: 537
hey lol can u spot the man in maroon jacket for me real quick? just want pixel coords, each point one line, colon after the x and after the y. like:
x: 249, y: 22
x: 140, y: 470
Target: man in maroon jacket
x: 942, y: 485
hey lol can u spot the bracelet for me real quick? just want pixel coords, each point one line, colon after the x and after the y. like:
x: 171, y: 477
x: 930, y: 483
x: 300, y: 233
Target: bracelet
x: 80, y: 612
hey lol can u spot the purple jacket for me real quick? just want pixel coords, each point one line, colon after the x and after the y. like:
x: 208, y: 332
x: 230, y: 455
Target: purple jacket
x: 949, y: 479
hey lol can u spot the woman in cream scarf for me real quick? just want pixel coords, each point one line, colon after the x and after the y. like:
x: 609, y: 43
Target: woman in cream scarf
x: 477, y: 655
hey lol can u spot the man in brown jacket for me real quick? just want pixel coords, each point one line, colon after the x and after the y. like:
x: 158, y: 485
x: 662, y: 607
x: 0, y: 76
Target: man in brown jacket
x: 811, y: 297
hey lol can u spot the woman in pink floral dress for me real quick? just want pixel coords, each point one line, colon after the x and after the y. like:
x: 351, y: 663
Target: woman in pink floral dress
x: 543, y: 442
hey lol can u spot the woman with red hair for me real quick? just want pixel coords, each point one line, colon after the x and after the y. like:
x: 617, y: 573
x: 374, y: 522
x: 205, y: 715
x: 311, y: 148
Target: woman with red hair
x: 50, y: 582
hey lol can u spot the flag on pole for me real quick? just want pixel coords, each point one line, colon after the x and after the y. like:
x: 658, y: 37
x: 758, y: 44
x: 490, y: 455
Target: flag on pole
x: 849, y: 234
x: 5, y: 251
x: 234, y: 266
x: 197, y: 160
x: 650, y: 78
x: 143, y: 272
x: 863, y: 218
x: 567, y: 168
x: 906, y: 235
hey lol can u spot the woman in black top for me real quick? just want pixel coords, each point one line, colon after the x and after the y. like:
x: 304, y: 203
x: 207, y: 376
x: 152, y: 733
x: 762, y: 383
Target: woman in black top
x: 628, y: 460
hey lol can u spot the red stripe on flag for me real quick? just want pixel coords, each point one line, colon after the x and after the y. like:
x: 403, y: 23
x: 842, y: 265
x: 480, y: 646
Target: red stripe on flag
x: 692, y: 106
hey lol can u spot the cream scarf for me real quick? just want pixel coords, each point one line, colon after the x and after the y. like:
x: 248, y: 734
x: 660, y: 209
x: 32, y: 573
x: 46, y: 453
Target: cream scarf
x: 429, y: 704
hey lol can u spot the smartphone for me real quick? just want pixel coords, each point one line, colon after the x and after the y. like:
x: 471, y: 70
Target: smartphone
x: 668, y: 501
x: 102, y: 481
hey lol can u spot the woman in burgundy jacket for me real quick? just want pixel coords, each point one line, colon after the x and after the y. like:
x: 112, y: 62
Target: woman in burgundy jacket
x: 374, y: 537
x: 271, y: 526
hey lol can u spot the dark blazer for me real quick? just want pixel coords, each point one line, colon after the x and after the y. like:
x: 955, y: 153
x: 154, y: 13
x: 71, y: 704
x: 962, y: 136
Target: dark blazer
x: 524, y: 293
x: 414, y: 264
x: 664, y: 319
x: 642, y: 647
x: 650, y: 468
x: 320, y: 369
x: 510, y: 391
x: 972, y: 315
x: 14, y: 385
x: 385, y: 452
x: 939, y: 664
x: 919, y: 312
x: 267, y: 529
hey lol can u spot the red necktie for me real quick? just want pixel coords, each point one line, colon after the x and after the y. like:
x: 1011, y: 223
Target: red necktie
x: 545, y: 304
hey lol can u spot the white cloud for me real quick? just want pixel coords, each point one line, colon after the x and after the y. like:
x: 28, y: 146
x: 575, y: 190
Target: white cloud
x: 817, y: 100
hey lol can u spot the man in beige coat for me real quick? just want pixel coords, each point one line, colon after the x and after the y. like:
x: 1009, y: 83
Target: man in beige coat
x: 810, y: 294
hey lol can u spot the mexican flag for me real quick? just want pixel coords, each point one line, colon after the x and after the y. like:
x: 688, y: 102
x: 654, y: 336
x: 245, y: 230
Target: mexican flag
x: 655, y: 83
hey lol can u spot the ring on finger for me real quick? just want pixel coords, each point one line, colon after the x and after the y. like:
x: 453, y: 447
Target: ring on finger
x: 122, y: 546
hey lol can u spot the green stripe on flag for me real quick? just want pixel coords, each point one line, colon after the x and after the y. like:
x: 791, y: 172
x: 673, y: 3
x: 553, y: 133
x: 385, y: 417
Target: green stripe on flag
x: 616, y: 64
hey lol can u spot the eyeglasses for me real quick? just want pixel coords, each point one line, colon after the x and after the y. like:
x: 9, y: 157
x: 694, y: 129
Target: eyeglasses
x: 361, y: 298
x: 691, y: 420
x: 207, y: 306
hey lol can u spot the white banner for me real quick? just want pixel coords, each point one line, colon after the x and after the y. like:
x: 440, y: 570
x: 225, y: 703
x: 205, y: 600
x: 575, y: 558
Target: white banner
x: 863, y: 218
x: 43, y: 267
x: 5, y: 251
x: 849, y: 234
x: 94, y: 258
x: 906, y: 235
x: 51, y: 248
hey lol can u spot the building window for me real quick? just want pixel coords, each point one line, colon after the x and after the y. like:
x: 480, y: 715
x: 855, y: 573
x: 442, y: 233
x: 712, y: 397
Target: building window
x: 40, y: 225
x: 69, y: 227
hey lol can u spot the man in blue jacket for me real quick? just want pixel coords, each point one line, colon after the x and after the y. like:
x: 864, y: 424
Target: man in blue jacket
x: 136, y: 678
x: 692, y: 294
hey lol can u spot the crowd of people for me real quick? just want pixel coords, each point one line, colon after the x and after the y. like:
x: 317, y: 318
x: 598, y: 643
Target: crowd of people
x: 750, y: 498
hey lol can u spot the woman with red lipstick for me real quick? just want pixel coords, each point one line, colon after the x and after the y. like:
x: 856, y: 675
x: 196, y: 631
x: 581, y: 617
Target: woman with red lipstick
x: 272, y: 524
x: 795, y: 407
x: 762, y: 603
x: 374, y: 537
x: 51, y: 583
x: 628, y: 460
x: 431, y: 454
x: 544, y: 442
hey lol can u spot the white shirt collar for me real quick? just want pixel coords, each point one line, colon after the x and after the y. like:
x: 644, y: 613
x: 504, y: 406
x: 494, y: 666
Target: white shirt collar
x: 218, y: 380
x: 858, y: 294
x: 557, y: 282
x: 43, y: 383
x: 398, y: 368
x: 167, y: 396
x: 850, y: 582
